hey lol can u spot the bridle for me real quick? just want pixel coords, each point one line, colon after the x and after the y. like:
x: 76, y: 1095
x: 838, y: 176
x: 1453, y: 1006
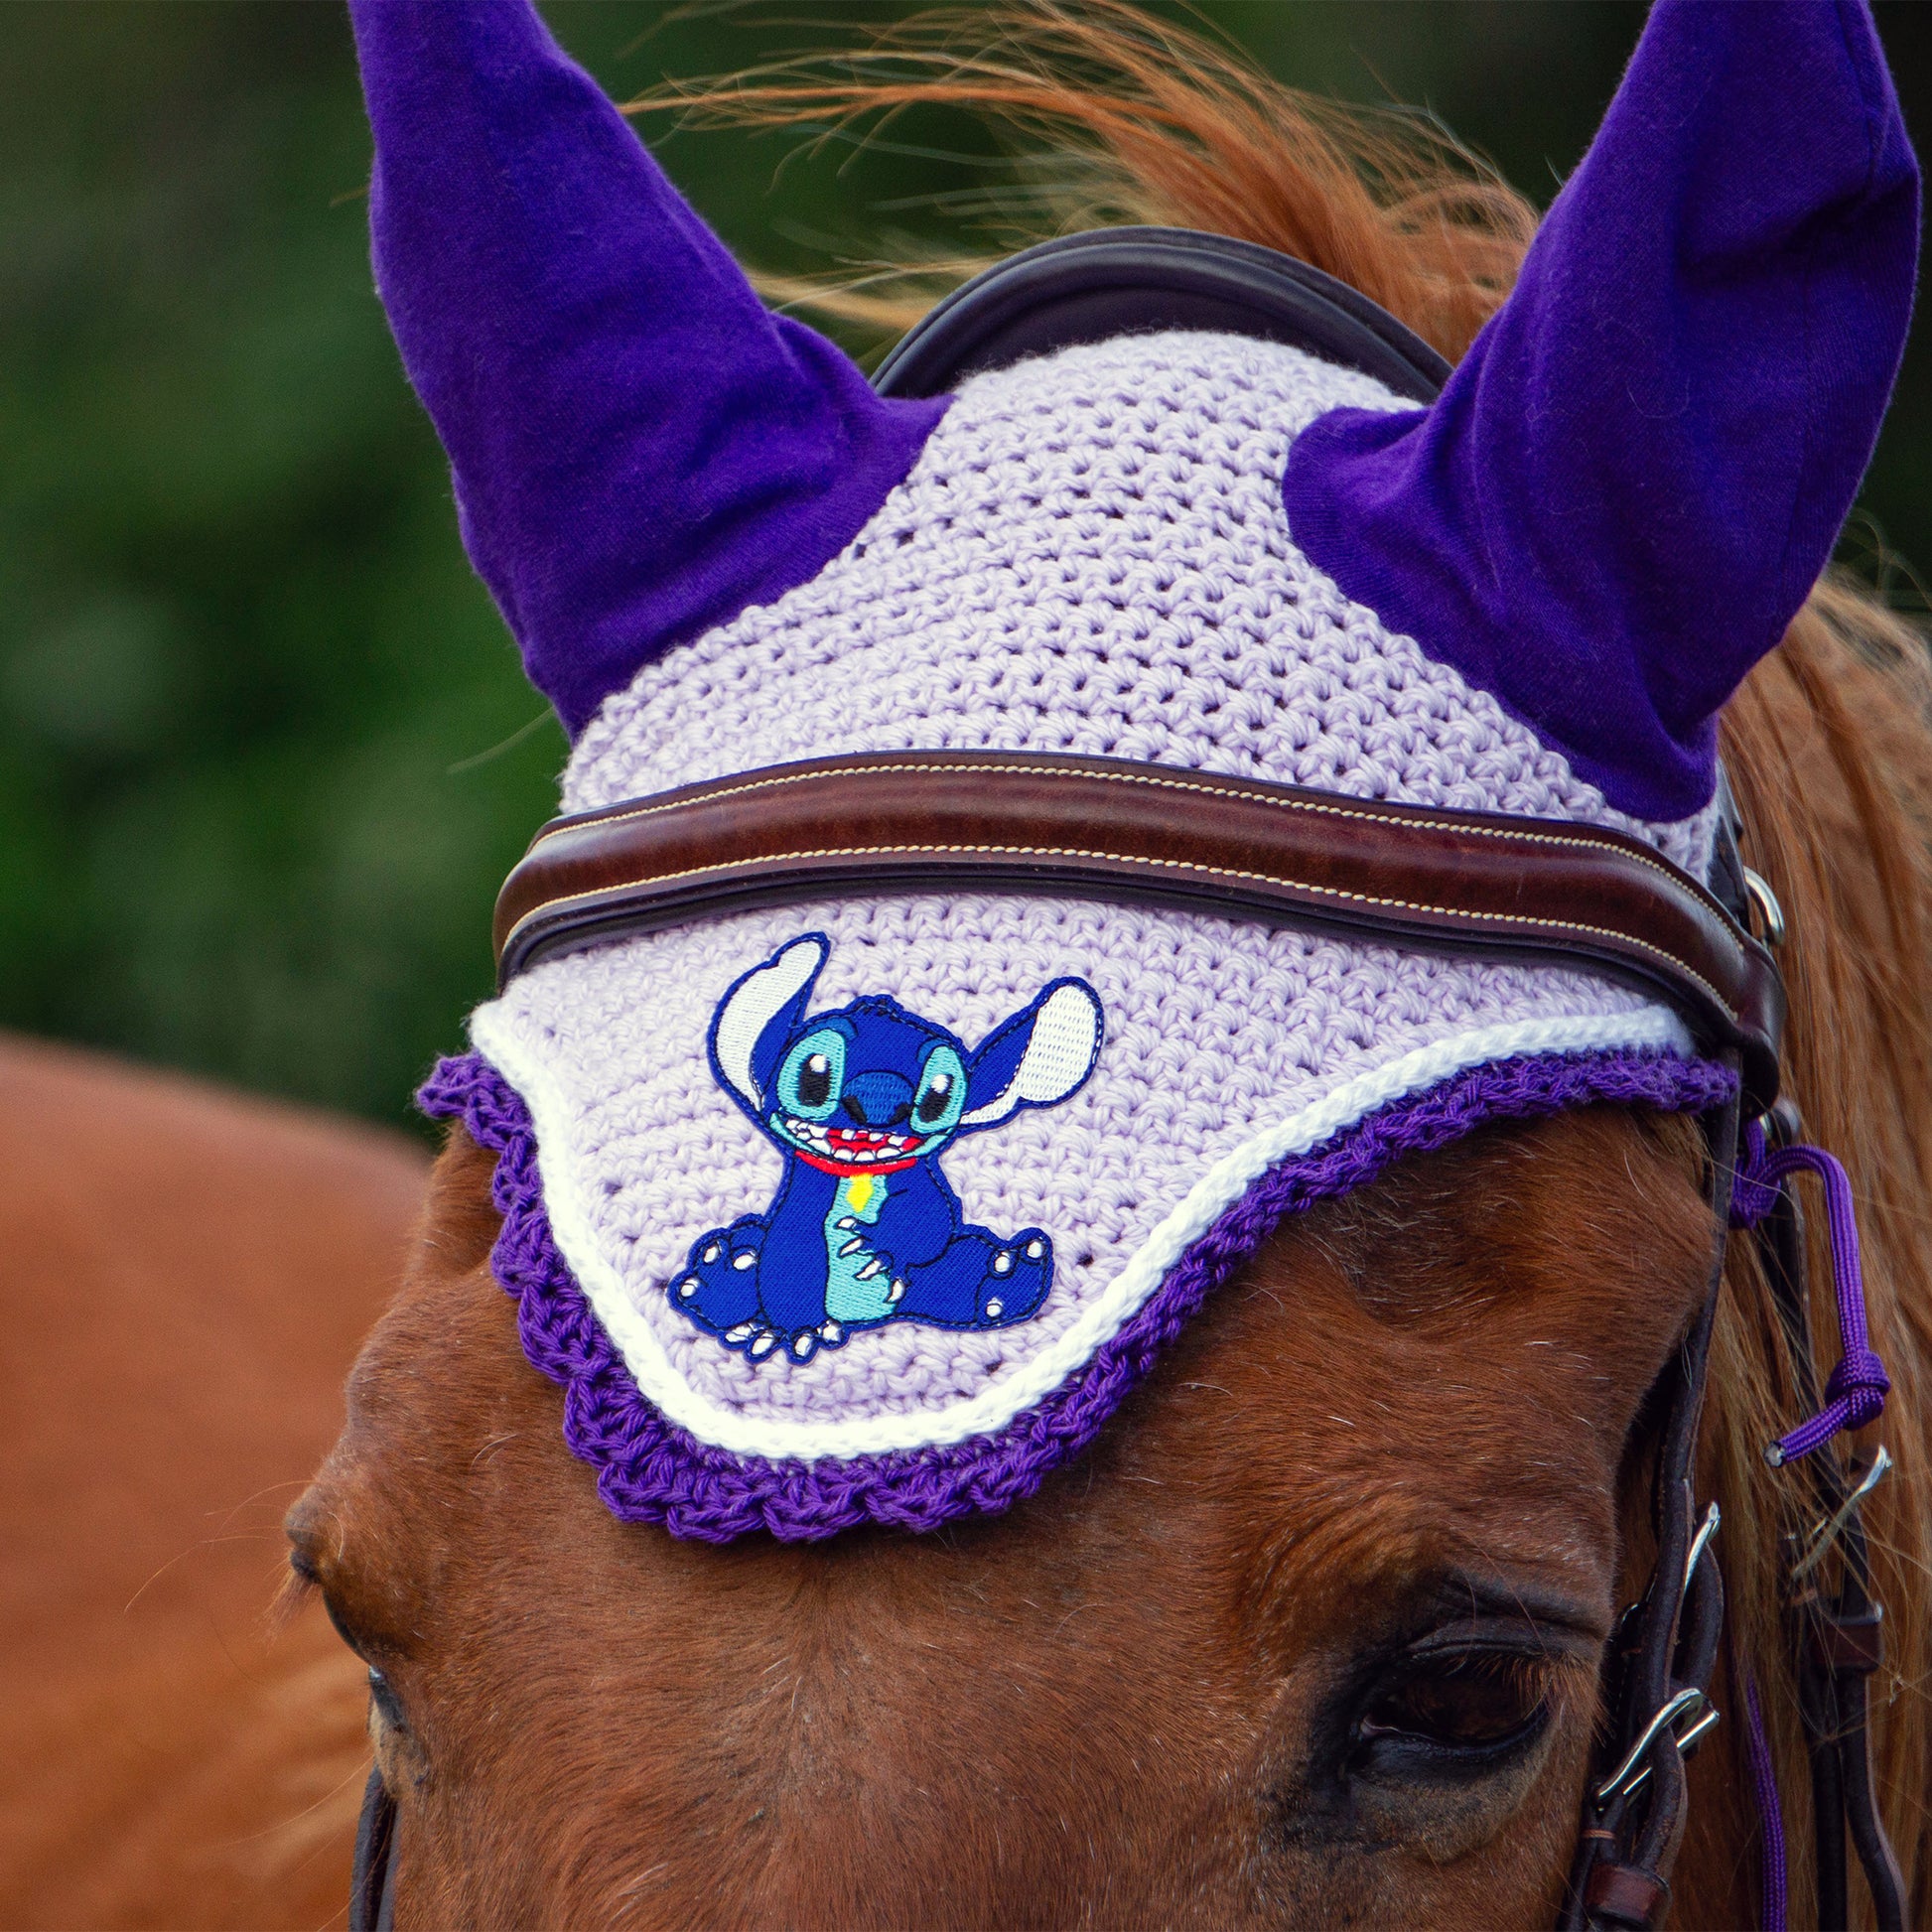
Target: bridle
x: 1494, y: 886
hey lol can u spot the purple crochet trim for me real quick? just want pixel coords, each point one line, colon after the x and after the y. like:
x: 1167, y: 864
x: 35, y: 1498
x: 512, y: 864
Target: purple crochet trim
x: 650, y: 1471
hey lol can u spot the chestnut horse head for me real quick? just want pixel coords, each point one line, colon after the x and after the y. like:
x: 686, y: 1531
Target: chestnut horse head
x: 1317, y: 1628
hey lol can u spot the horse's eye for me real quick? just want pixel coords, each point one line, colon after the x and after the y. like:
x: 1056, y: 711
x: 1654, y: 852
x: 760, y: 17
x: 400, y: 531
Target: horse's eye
x: 935, y: 1098
x: 815, y: 1081
x: 1459, y: 1710
x: 388, y: 1707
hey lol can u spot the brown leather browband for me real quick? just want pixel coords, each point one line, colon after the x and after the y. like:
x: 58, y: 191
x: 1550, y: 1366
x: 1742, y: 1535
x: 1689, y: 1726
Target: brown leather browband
x: 1103, y: 828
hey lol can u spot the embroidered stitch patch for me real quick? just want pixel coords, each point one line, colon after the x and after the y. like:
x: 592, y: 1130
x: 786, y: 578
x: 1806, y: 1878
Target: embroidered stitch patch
x: 862, y: 1102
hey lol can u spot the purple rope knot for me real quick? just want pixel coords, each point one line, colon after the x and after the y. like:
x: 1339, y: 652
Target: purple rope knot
x: 1861, y: 1383
x: 1855, y: 1394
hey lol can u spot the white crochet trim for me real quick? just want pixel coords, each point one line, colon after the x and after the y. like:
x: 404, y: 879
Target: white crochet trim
x: 573, y: 1224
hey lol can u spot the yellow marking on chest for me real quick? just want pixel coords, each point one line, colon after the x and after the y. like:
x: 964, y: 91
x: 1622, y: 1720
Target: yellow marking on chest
x: 857, y: 1191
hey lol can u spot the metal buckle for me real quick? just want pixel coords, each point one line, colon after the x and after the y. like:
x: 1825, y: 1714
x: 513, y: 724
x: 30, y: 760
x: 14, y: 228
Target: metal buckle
x: 1698, y: 1543
x: 1632, y: 1771
x: 1826, y: 1532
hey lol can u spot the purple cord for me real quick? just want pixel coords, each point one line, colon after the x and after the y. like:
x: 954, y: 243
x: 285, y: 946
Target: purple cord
x: 1770, y: 1811
x: 1854, y: 1395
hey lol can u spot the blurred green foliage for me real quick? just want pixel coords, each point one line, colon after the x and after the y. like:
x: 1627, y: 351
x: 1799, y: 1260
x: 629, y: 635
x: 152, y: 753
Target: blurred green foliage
x: 265, y: 751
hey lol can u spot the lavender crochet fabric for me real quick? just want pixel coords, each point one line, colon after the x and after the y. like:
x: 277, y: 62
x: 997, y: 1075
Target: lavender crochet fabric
x: 780, y: 1297
x: 1090, y: 555
x: 649, y: 1470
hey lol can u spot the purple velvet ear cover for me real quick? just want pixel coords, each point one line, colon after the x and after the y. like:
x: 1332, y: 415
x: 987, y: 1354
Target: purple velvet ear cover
x: 1635, y: 476
x: 639, y: 450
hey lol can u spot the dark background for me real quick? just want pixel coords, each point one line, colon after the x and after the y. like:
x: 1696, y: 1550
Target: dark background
x: 265, y: 749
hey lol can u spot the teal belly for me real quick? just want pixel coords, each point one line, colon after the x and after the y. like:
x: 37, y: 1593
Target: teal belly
x: 847, y: 1298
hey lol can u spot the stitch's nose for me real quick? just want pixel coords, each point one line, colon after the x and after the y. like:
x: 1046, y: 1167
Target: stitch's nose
x: 878, y: 1100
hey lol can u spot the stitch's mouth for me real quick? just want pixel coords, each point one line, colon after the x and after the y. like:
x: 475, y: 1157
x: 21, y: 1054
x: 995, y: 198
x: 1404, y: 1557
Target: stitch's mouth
x: 853, y: 1149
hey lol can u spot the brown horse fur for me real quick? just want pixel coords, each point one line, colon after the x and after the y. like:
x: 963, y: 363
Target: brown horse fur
x: 1130, y: 1700
x: 187, y: 1275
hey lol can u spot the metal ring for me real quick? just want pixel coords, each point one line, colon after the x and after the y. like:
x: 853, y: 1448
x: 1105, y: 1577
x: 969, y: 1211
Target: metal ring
x: 1766, y: 902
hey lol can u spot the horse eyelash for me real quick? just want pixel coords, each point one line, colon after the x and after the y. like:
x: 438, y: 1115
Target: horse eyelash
x: 293, y: 1595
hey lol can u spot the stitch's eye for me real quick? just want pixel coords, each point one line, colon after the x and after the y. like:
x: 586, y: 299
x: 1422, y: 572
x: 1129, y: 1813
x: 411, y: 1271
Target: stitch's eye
x: 942, y: 1092
x: 813, y: 1074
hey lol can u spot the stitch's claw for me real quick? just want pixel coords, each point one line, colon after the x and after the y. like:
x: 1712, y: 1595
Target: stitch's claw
x: 896, y: 1293
x: 980, y: 1282
x: 718, y: 1288
x: 764, y: 1345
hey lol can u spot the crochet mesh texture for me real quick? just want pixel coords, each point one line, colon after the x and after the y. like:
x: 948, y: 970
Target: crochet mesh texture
x: 1090, y: 555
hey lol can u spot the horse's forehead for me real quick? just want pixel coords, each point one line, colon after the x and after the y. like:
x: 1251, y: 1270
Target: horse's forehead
x: 1494, y: 1290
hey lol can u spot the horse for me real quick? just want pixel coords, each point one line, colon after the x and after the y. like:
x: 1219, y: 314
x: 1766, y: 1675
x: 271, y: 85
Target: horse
x: 189, y: 1276
x: 1315, y: 1630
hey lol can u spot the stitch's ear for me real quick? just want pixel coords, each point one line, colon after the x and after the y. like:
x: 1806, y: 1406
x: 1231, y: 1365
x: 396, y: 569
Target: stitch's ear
x: 755, y: 1019
x: 1036, y: 1059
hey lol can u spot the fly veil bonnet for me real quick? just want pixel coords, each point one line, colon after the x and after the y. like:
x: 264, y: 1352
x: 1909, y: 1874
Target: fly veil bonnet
x: 917, y: 1029
x: 1168, y: 749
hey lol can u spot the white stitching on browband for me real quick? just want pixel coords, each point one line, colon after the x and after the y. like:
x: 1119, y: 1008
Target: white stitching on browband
x: 1172, y: 865
x: 1557, y: 840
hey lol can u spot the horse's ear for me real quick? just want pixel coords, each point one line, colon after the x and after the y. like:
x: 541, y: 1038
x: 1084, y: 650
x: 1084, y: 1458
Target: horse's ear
x: 639, y: 450
x: 1037, y: 1058
x: 1636, y: 474
x: 760, y: 1014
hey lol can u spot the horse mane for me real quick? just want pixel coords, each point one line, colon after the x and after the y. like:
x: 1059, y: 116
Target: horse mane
x: 1115, y: 116
x: 1830, y: 755
x: 1112, y: 116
